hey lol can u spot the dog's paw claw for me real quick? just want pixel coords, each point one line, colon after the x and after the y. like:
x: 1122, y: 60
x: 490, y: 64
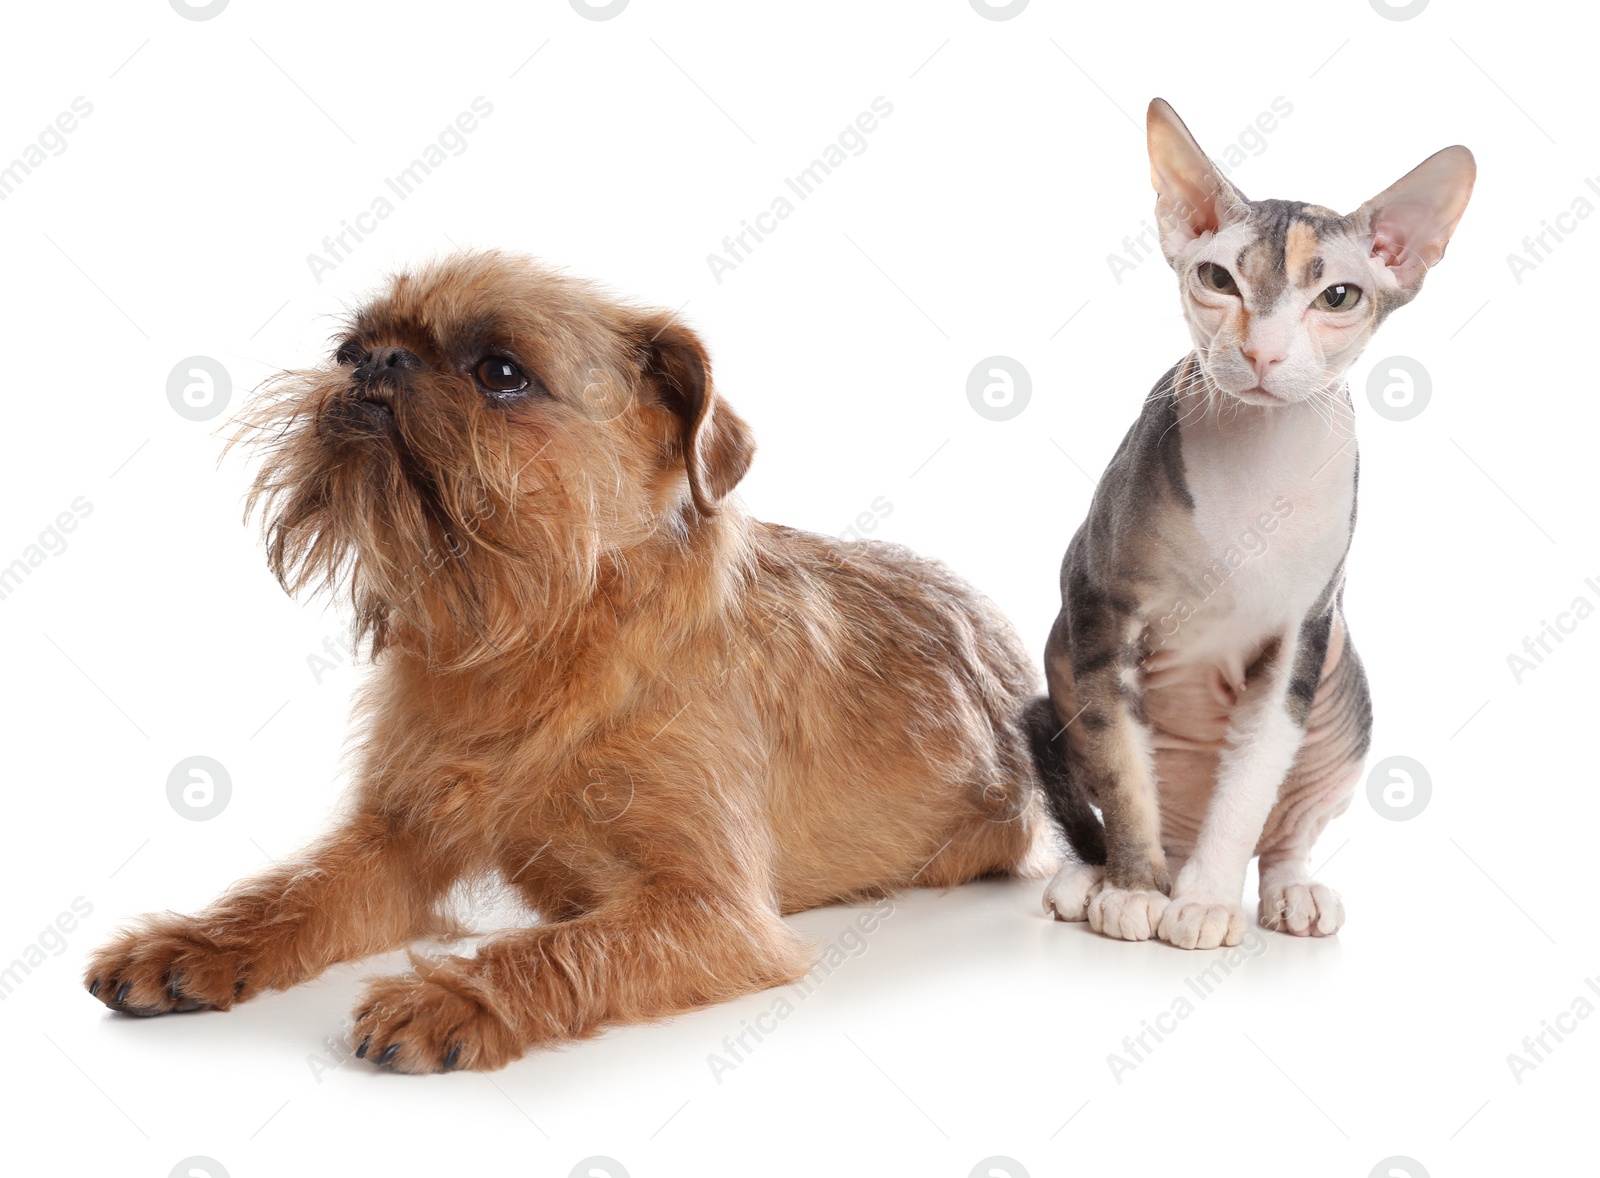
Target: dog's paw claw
x: 416, y: 1024
x: 182, y: 1002
x: 165, y: 964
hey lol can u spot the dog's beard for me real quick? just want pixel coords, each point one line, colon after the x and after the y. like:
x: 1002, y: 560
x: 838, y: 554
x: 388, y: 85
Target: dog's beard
x: 423, y: 512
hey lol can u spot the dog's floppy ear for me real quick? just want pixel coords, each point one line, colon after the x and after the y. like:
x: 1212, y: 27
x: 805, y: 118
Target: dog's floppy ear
x: 717, y: 444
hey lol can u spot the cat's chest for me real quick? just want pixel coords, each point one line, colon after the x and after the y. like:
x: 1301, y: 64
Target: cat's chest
x: 1269, y: 525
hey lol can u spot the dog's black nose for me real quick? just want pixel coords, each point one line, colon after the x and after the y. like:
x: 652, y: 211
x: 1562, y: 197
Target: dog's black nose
x: 381, y: 362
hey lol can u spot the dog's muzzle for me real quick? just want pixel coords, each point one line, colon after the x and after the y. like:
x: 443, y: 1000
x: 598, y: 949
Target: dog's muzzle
x: 381, y: 374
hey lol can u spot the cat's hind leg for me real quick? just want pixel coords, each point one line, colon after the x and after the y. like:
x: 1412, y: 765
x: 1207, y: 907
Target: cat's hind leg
x: 1291, y: 900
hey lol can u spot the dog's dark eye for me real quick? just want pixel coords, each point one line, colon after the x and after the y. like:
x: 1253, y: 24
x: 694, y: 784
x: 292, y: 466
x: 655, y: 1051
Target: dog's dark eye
x: 350, y: 352
x: 499, y: 375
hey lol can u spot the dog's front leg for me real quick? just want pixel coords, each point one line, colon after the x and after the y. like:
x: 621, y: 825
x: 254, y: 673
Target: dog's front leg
x: 666, y: 948
x: 363, y: 889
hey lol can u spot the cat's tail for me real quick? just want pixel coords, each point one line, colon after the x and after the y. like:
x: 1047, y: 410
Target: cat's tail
x: 1069, y: 805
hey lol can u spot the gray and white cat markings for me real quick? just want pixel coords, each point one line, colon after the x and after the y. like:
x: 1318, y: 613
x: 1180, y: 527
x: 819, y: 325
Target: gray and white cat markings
x: 1204, y: 693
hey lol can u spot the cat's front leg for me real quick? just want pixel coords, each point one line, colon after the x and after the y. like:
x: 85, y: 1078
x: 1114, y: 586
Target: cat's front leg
x: 1114, y: 762
x: 1263, y: 740
x: 1133, y: 896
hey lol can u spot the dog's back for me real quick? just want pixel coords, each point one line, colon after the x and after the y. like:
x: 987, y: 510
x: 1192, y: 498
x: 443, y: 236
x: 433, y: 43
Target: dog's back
x: 892, y: 694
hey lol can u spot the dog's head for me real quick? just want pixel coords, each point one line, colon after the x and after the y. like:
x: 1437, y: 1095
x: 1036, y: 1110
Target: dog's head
x: 484, y: 437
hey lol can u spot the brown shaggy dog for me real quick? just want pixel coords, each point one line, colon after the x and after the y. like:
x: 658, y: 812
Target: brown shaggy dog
x: 663, y: 723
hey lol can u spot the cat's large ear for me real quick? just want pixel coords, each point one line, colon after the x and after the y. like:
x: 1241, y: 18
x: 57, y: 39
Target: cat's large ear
x: 717, y: 444
x: 1411, y: 221
x: 1192, y: 195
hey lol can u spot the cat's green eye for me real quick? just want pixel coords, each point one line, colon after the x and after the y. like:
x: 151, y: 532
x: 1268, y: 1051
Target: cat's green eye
x: 1214, y: 277
x: 1337, y: 297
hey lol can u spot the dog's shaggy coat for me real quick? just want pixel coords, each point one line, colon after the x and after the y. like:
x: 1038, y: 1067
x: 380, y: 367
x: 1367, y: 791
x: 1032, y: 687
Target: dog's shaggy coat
x: 663, y: 723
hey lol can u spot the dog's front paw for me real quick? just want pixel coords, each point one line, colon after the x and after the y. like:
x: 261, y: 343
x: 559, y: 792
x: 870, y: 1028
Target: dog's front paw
x: 1128, y: 914
x: 1304, y: 909
x: 1194, y: 923
x: 166, y: 964
x: 1068, y: 895
x: 417, y: 1024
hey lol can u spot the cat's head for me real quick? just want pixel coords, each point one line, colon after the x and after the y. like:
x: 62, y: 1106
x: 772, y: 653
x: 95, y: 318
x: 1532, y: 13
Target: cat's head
x: 1281, y: 296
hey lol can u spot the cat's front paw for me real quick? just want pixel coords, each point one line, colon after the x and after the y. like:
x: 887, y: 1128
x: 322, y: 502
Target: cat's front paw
x: 1191, y: 922
x: 166, y: 964
x: 1128, y: 914
x: 1302, y: 909
x: 1068, y: 895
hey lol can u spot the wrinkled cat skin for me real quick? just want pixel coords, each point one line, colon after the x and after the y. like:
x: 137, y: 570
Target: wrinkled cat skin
x: 1204, y: 692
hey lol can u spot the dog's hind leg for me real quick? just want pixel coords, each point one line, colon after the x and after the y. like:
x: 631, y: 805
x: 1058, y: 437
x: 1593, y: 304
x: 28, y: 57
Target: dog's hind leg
x: 363, y: 889
x: 658, y: 952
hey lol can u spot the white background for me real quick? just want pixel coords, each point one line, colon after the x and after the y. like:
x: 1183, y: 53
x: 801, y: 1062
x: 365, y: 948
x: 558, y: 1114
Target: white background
x: 177, y: 222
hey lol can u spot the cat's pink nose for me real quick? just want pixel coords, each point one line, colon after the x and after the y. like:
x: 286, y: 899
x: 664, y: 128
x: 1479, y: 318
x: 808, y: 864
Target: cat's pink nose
x: 1262, y: 359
